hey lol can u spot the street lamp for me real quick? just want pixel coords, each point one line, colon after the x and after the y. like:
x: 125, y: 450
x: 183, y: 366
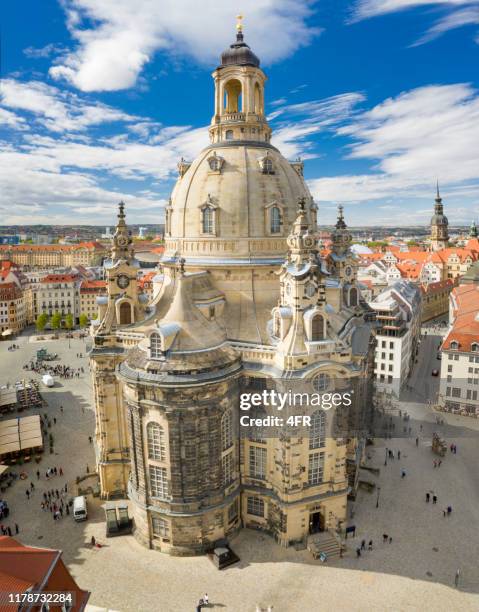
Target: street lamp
x: 377, y: 499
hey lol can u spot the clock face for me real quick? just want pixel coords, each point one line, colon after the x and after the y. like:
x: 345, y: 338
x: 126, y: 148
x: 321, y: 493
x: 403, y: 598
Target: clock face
x: 122, y: 240
x: 310, y: 289
x: 123, y: 281
x: 348, y: 271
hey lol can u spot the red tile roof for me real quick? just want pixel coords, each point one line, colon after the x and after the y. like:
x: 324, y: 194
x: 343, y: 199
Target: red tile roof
x: 42, y: 568
x: 465, y: 329
x: 59, y: 278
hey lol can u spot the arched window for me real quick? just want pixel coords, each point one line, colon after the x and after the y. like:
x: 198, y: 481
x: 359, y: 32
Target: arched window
x: 275, y: 220
x: 317, y: 328
x: 321, y: 382
x: 353, y: 297
x: 155, y: 346
x: 226, y: 430
x: 317, y: 431
x: 125, y: 313
x: 208, y: 220
x: 156, y: 442
x: 233, y: 98
x: 277, y: 325
x: 258, y: 104
x: 229, y: 135
x: 474, y: 346
x: 454, y: 345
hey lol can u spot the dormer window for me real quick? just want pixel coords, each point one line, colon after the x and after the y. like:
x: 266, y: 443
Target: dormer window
x: 266, y: 164
x: 215, y: 163
x: 454, y: 345
x: 475, y: 347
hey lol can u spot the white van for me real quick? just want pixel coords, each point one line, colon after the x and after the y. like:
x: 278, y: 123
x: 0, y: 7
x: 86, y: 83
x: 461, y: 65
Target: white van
x: 79, y: 508
x: 47, y: 380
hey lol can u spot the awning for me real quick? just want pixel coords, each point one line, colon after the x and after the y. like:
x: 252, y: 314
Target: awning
x: 3, y: 469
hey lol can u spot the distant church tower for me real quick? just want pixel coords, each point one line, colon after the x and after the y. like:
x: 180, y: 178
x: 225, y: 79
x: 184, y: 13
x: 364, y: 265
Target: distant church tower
x: 473, y: 233
x: 439, y: 225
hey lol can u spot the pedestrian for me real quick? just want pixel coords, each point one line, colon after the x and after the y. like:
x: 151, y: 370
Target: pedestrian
x: 90, y: 439
x: 27, y: 493
x: 38, y: 474
x: 54, y: 420
x: 9, y: 531
x: 451, y: 447
x: 67, y: 509
x: 385, y: 538
x: 370, y: 545
x: 32, y: 486
x: 449, y: 510
x: 434, y: 499
x: 57, y: 493
x: 93, y: 541
x: 205, y: 598
x: 61, y: 511
x: 55, y: 471
x: 439, y: 463
x: 61, y: 472
x: 399, y: 454
x: 403, y: 473
x: 358, y: 552
x: 417, y: 441
x: 87, y: 469
x: 363, y: 544
x: 427, y: 497
x: 443, y: 513
x: 390, y: 540
x: 434, y: 463
x: 61, y: 409
x: 455, y: 449
x: 456, y: 578
x: 42, y: 506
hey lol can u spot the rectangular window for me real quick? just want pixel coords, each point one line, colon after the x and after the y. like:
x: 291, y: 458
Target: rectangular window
x: 383, y: 343
x: 160, y: 527
x: 158, y: 481
x: 255, y: 506
x: 315, y: 468
x: 227, y: 465
x: 449, y: 368
x: 233, y: 512
x: 448, y: 391
x: 456, y: 392
x: 391, y: 345
x: 456, y: 357
x: 449, y: 378
x: 257, y: 462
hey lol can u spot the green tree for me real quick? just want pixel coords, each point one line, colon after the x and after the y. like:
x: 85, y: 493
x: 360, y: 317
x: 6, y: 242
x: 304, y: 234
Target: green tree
x: 56, y: 320
x: 69, y: 321
x: 94, y: 316
x: 41, y: 321
x: 83, y: 320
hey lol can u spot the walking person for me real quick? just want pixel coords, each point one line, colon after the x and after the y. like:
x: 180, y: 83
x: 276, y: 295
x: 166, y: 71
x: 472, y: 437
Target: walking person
x: 370, y: 545
x: 38, y: 474
x: 434, y: 499
x: 206, y: 599
x: 427, y: 497
x: 403, y: 473
x: 61, y: 472
x: 399, y: 454
x: 363, y: 544
x: 358, y: 552
x: 9, y: 531
x: 417, y: 441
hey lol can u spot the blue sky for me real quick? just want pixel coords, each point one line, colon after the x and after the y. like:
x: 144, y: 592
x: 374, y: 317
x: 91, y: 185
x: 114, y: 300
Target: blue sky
x: 99, y: 99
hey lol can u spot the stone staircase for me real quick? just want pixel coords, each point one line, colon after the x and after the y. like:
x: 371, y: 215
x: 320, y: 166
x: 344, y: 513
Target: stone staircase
x: 325, y: 542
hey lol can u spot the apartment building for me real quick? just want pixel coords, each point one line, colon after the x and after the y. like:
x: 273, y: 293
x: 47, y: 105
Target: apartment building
x: 89, y: 292
x: 459, y: 388
x: 59, y: 293
x: 12, y: 309
x: 48, y: 255
x: 398, y: 316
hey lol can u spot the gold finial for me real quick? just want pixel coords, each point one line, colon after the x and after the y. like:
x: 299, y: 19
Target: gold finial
x: 239, y: 23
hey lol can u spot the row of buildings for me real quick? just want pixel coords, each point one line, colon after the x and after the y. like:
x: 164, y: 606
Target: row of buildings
x: 54, y: 255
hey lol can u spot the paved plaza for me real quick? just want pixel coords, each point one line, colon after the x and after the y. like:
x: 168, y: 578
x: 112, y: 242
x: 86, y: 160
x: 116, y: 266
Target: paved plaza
x: 414, y: 572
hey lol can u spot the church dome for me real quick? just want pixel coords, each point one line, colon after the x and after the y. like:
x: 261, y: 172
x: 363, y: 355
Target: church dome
x: 439, y: 220
x: 252, y: 200
x: 239, y: 54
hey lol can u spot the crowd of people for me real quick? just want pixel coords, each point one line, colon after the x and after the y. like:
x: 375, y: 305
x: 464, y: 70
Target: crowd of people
x: 62, y: 371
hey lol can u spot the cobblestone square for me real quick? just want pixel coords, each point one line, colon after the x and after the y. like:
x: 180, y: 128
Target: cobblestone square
x: 416, y: 571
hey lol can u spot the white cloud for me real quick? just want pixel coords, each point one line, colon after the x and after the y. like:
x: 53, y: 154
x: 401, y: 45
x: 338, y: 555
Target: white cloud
x: 58, y: 111
x: 427, y: 133
x: 116, y: 38
x: 458, y: 13
x: 42, y: 52
x: 11, y: 120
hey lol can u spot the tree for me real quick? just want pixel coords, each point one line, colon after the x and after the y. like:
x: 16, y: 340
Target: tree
x: 83, y: 320
x: 69, y: 321
x: 41, y: 321
x: 56, y: 320
x: 94, y: 316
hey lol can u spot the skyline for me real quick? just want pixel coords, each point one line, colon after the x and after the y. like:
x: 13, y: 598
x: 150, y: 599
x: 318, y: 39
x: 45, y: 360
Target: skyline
x: 379, y: 102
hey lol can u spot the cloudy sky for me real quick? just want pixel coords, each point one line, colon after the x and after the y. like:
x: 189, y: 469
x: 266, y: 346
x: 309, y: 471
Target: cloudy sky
x: 99, y: 100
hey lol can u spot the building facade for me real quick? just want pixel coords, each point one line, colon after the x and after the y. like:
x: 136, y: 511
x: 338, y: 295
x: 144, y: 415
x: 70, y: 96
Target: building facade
x: 12, y: 309
x: 245, y: 302
x: 90, y: 290
x: 398, y: 316
x: 59, y: 293
x: 459, y: 388
x: 50, y: 255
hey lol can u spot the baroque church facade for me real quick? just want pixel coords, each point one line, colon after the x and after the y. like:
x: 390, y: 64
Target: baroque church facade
x: 246, y: 302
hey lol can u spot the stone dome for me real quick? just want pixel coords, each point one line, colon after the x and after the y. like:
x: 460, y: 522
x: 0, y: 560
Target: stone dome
x: 239, y: 54
x: 439, y: 220
x: 241, y: 182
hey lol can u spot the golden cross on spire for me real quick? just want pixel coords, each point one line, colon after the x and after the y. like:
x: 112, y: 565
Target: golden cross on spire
x: 239, y: 23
